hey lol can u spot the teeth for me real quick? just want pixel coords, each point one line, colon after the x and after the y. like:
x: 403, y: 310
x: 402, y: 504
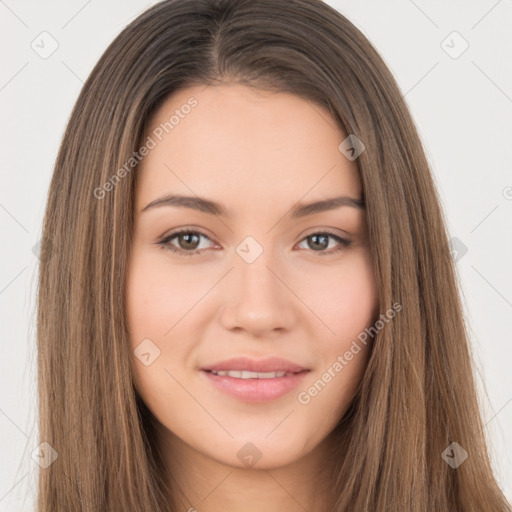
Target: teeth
x: 249, y: 375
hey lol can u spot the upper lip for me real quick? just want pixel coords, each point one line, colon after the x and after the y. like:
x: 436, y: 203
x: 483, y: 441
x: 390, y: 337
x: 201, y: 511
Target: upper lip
x: 270, y: 364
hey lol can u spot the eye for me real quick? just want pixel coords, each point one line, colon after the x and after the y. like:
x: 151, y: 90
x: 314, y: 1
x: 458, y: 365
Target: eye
x: 188, y: 242
x: 320, y: 241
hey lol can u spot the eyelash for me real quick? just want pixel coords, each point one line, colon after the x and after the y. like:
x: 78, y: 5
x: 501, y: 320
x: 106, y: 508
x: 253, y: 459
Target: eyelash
x: 165, y: 242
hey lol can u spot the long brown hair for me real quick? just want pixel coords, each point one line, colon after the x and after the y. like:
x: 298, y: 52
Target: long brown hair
x: 417, y: 395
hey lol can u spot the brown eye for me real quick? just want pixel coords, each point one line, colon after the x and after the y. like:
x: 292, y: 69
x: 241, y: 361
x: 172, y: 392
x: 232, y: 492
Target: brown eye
x: 187, y: 242
x: 319, y: 242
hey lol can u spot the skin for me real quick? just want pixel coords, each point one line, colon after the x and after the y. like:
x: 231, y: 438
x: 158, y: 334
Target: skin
x: 257, y: 153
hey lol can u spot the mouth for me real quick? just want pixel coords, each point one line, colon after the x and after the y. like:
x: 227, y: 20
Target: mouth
x: 254, y: 387
x: 246, y: 374
x: 248, y: 367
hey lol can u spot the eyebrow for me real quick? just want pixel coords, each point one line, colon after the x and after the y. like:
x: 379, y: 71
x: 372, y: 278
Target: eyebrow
x: 207, y: 206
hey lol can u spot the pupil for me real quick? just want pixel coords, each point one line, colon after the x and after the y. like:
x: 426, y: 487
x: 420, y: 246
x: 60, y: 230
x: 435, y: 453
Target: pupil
x: 316, y: 238
x: 187, y: 238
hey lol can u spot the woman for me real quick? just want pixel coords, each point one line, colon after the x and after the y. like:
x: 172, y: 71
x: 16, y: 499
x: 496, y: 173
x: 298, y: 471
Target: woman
x: 246, y: 296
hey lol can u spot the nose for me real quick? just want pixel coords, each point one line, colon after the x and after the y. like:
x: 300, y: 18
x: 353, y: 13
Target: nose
x: 259, y: 300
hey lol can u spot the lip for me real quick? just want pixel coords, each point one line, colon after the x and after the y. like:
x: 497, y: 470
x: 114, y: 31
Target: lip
x: 269, y: 364
x: 256, y: 390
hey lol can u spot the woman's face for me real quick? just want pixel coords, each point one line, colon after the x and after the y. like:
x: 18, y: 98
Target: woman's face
x: 255, y: 277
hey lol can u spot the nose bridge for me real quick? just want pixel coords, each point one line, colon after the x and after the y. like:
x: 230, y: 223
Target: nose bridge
x: 258, y: 300
x: 252, y: 269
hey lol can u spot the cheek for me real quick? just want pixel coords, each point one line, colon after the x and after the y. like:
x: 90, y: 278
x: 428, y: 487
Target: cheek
x: 347, y: 305
x: 345, y: 299
x: 153, y: 307
x: 155, y: 300
x: 158, y: 295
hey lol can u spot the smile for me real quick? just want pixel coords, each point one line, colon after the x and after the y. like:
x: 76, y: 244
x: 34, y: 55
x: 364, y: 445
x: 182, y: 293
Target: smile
x: 251, y: 375
x: 254, y: 387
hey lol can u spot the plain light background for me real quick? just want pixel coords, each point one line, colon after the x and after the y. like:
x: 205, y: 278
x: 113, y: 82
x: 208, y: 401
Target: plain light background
x: 461, y: 102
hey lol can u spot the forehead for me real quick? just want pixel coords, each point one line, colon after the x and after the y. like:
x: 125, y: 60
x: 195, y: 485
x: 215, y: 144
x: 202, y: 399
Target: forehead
x: 239, y: 144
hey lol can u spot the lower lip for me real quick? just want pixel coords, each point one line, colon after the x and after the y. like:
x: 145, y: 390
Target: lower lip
x: 256, y: 390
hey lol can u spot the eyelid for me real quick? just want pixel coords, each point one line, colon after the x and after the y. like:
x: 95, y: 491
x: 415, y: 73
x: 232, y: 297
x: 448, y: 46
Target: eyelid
x: 164, y: 241
x: 336, y: 232
x: 343, y: 242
